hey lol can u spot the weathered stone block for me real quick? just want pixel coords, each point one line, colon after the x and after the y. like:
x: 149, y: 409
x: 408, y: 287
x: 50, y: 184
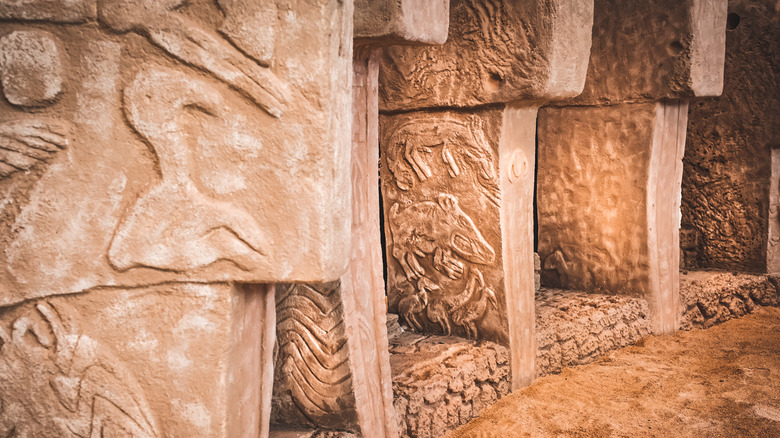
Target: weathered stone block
x: 383, y: 22
x: 170, y: 155
x: 655, y: 49
x: 458, y: 218
x: 497, y: 51
x: 608, y: 227
x: 98, y: 363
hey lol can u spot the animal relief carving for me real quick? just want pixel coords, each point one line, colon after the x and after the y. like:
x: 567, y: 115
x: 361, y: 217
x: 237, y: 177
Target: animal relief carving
x: 173, y: 225
x: 197, y: 45
x: 462, y: 147
x: 58, y: 382
x: 447, y: 239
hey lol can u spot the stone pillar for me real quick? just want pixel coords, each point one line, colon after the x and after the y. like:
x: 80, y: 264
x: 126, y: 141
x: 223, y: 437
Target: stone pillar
x: 457, y: 135
x: 157, y: 173
x: 333, y: 355
x: 610, y: 164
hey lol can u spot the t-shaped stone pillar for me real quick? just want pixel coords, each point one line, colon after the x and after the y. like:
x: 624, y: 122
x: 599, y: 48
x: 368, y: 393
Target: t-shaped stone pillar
x: 610, y: 161
x: 333, y: 362
x: 163, y: 164
x: 457, y: 140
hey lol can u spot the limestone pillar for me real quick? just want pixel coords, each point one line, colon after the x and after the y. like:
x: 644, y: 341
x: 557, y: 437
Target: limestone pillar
x: 333, y: 361
x: 457, y: 134
x: 161, y: 168
x: 610, y: 163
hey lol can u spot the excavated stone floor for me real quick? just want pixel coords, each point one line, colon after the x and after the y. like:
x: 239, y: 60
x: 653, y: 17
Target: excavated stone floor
x: 442, y: 382
x: 719, y: 382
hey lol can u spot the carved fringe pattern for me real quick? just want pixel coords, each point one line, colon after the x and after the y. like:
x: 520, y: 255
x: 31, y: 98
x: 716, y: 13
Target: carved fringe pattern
x: 313, y: 382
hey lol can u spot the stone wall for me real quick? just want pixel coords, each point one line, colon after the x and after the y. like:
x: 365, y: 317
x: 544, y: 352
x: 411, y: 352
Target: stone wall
x: 725, y: 191
x: 441, y: 382
x: 576, y: 328
x: 709, y: 298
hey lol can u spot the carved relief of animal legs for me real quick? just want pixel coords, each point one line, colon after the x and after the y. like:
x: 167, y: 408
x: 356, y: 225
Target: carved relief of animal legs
x: 444, y: 262
x: 413, y: 155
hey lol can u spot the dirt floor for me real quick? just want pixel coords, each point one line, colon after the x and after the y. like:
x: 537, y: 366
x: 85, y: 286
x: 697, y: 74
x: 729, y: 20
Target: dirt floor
x: 719, y: 382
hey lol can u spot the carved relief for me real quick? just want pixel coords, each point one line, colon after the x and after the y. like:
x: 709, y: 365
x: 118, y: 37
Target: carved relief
x: 461, y: 146
x: 57, y: 382
x: 166, y: 158
x: 440, y: 192
x: 173, y: 225
x: 313, y: 382
x: 196, y: 45
x: 28, y: 142
x: 30, y: 67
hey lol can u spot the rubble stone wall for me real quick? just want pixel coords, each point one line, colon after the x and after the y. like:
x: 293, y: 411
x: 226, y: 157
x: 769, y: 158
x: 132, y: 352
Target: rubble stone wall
x: 726, y: 177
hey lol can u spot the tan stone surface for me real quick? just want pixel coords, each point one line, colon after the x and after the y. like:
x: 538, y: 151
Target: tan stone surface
x: 727, y: 190
x: 59, y: 11
x: 98, y: 364
x: 458, y: 224
x: 334, y: 369
x: 657, y: 49
x: 608, y: 200
x: 497, y: 51
x: 383, y: 22
x: 441, y: 201
x: 172, y: 156
x: 708, y: 298
x: 717, y: 382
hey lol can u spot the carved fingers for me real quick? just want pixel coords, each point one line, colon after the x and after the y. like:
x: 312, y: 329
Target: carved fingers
x: 25, y: 143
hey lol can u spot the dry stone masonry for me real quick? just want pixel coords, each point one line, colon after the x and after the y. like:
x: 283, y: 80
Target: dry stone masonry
x: 615, y: 228
x: 457, y: 132
x: 209, y: 207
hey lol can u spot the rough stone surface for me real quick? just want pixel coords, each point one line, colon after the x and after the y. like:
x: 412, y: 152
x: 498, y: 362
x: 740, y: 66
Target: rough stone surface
x: 657, y: 49
x: 30, y: 68
x: 726, y: 181
x: 383, y: 22
x: 497, y: 51
x: 607, y: 228
x: 58, y: 11
x: 158, y: 174
x: 97, y: 362
x: 576, y: 328
x: 441, y: 382
x: 709, y: 298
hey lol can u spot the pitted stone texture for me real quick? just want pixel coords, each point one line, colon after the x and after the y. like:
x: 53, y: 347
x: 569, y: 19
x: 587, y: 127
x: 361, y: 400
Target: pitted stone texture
x: 576, y: 328
x: 728, y: 164
x: 30, y: 67
x: 441, y: 382
x: 709, y: 298
x: 497, y: 51
x: 657, y: 49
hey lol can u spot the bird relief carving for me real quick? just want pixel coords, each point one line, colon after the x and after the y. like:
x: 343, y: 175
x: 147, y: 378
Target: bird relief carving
x: 451, y: 292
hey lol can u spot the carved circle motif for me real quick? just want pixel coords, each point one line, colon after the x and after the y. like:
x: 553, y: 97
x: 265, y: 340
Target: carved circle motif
x: 518, y: 166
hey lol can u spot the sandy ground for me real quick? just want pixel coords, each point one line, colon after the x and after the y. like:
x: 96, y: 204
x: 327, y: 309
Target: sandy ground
x: 719, y: 382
